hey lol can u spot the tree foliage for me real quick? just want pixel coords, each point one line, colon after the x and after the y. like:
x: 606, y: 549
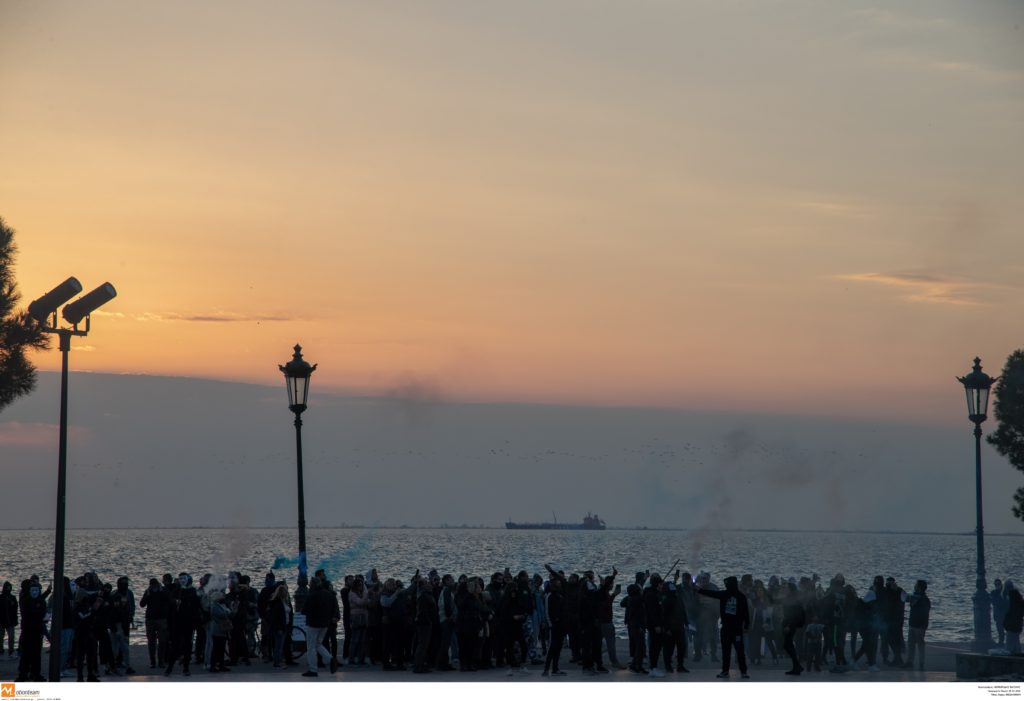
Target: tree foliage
x: 1008, y: 438
x: 18, y: 333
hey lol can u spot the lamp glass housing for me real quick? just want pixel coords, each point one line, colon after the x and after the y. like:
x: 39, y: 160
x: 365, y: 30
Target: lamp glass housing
x: 297, y: 374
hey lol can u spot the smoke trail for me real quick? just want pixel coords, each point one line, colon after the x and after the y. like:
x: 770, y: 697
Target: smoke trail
x: 737, y: 442
x: 238, y: 542
x: 416, y: 398
x: 334, y: 565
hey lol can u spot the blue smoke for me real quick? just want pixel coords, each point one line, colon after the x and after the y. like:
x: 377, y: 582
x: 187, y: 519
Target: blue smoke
x: 339, y: 564
x: 335, y: 565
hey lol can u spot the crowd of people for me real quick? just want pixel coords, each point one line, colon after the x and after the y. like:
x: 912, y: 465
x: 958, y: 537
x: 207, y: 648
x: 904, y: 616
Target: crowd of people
x: 439, y: 623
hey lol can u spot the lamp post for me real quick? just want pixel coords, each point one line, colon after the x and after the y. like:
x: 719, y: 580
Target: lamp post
x: 977, y: 385
x: 44, y: 311
x: 297, y: 373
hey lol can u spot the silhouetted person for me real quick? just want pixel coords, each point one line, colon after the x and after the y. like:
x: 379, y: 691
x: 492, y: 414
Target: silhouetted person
x: 469, y: 612
x: 735, y: 615
x: 33, y: 611
x: 184, y: 617
x: 122, y: 613
x: 920, y: 609
x: 318, y: 615
x: 426, y: 612
x: 896, y: 617
x: 1014, y: 619
x: 867, y: 626
x: 446, y: 620
x: 88, y: 602
x: 8, y: 618
x: 999, y: 604
x: 635, y: 627
x: 157, y: 603
x: 678, y: 622
x: 262, y: 602
x: 556, y: 620
x: 793, y: 618
x: 346, y: 617
x: 654, y: 615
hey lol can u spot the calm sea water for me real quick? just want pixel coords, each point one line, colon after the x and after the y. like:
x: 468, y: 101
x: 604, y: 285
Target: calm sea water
x: 946, y: 561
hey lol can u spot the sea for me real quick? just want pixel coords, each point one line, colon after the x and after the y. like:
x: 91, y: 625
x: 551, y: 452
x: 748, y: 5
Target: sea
x: 946, y: 561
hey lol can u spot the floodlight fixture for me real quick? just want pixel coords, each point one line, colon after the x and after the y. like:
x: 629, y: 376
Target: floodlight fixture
x: 44, y: 311
x: 46, y: 306
x: 84, y: 306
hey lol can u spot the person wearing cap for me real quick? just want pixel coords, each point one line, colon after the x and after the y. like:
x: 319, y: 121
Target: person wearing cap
x: 735, y: 614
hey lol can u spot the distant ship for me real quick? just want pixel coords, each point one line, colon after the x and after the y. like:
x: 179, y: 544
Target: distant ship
x: 590, y: 523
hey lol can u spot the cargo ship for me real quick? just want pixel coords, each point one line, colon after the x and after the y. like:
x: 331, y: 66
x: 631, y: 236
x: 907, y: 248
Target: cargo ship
x: 590, y: 523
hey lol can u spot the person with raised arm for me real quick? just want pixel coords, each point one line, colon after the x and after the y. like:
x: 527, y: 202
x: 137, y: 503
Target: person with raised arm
x: 735, y: 614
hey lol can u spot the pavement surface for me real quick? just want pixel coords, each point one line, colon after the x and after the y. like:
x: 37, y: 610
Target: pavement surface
x: 940, y: 664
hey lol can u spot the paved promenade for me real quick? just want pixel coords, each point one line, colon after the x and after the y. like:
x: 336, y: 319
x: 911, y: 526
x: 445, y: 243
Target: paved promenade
x: 940, y: 665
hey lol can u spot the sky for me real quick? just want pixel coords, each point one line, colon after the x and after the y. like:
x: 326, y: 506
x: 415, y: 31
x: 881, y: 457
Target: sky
x: 180, y: 452
x: 782, y: 209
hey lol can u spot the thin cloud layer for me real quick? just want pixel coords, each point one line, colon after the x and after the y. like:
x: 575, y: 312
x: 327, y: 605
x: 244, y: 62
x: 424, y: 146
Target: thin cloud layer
x: 217, y: 316
x: 919, y: 287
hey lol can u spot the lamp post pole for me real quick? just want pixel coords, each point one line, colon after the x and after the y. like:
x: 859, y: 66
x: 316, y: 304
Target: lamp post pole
x: 297, y: 373
x: 57, y: 598
x: 302, y: 494
x: 44, y: 311
x: 977, y: 384
x: 982, y: 603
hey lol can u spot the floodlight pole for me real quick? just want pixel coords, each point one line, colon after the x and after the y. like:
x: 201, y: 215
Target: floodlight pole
x: 57, y: 597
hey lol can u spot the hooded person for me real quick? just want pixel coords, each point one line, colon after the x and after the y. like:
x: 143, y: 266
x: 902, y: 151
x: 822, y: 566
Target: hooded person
x: 33, y: 612
x: 184, y: 617
x: 734, y: 611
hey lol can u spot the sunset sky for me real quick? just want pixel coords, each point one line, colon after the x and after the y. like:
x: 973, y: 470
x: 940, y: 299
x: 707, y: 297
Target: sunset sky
x: 782, y: 207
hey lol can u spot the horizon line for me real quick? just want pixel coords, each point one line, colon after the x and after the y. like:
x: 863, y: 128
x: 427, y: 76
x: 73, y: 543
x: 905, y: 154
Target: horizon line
x: 482, y: 527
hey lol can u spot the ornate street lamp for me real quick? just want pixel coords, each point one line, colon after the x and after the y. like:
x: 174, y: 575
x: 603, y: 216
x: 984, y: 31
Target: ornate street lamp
x: 297, y: 373
x: 44, y: 311
x: 977, y: 385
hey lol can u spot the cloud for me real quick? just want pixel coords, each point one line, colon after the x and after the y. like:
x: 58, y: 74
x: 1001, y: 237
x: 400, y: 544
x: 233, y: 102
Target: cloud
x: 833, y: 208
x: 215, y: 317
x: 921, y: 287
x: 13, y: 433
x: 887, y: 19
